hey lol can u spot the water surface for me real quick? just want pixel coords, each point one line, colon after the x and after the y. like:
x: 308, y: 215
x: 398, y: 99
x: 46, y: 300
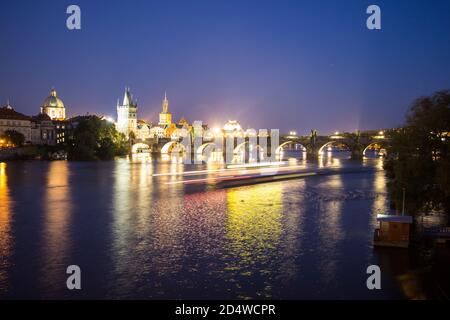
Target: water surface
x: 137, y: 236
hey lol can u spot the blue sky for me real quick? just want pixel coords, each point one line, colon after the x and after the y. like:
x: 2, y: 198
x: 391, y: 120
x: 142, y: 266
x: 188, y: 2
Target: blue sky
x: 293, y: 65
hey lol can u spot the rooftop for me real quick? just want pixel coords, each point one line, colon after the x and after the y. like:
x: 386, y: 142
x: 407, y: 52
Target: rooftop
x: 9, y: 113
x: 42, y: 117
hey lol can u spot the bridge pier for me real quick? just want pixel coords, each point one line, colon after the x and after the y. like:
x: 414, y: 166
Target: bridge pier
x: 312, y: 151
x: 356, y: 155
x: 356, y: 152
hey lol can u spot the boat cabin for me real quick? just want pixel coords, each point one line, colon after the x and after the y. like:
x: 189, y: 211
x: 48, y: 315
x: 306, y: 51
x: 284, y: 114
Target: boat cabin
x: 392, y: 231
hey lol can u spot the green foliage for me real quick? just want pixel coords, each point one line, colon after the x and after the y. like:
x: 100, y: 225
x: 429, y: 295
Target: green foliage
x: 420, y: 156
x: 132, y: 136
x: 14, y: 137
x: 96, y: 139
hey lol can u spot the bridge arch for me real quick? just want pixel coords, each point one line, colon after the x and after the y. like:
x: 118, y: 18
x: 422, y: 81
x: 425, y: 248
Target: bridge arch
x: 330, y: 143
x: 281, y: 146
x: 239, y: 146
x: 171, y: 145
x: 237, y: 149
x: 202, y: 148
x: 140, y: 148
x: 381, y: 146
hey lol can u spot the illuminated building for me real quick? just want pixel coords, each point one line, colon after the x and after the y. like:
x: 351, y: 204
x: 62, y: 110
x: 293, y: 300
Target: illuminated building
x: 183, y: 122
x: 177, y: 130
x: 127, y: 122
x: 54, y: 107
x: 143, y: 130
x: 233, y: 128
x: 165, y: 127
x: 13, y: 120
x: 157, y: 132
x: 37, y: 130
x: 43, y: 130
x: 127, y: 114
x: 165, y: 117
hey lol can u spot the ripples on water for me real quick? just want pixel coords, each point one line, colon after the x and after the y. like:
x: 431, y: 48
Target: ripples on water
x: 135, y: 236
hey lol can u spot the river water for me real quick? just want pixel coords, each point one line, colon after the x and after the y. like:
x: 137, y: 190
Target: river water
x: 140, y: 236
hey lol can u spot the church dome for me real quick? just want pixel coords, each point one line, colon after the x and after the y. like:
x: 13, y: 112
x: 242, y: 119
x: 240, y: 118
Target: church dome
x: 53, y: 101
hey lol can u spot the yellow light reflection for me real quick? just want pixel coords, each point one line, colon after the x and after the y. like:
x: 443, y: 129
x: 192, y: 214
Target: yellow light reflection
x: 141, y: 157
x: 254, y: 228
x: 57, y: 208
x: 141, y: 183
x: 329, y: 161
x: 5, y: 228
x: 380, y: 203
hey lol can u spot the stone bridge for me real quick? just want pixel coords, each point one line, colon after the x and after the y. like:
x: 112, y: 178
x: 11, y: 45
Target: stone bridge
x: 314, y: 145
x: 356, y: 143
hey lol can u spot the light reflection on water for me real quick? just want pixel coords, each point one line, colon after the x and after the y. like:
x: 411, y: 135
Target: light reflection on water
x: 254, y: 230
x: 56, y: 227
x: 137, y: 236
x: 330, y: 211
x: 5, y: 229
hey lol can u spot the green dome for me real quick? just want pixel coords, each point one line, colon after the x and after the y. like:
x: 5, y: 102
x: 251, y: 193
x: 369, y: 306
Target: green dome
x: 53, y: 101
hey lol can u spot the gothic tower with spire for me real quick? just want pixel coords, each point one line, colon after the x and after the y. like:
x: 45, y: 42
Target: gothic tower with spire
x: 165, y: 117
x: 127, y: 114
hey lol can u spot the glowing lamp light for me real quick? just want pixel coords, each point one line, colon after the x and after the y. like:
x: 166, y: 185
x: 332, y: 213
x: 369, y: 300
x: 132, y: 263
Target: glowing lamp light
x: 381, y: 133
x: 336, y: 133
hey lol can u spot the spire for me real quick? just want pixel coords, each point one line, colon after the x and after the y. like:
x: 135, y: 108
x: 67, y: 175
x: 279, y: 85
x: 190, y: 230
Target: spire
x: 126, y: 97
x: 53, y: 92
x: 165, y: 104
x: 8, y: 106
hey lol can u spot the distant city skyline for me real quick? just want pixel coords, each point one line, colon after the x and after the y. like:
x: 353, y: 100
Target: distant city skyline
x: 292, y: 65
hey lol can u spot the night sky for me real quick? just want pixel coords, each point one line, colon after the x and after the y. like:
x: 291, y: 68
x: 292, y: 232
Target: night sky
x: 293, y: 65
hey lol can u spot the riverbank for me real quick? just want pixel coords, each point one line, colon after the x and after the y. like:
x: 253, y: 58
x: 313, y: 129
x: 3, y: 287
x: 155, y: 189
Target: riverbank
x: 32, y: 153
x: 22, y: 153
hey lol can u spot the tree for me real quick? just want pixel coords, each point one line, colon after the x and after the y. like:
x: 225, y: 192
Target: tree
x: 419, y: 160
x: 15, y: 137
x: 122, y: 145
x: 96, y: 139
x: 132, y: 136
